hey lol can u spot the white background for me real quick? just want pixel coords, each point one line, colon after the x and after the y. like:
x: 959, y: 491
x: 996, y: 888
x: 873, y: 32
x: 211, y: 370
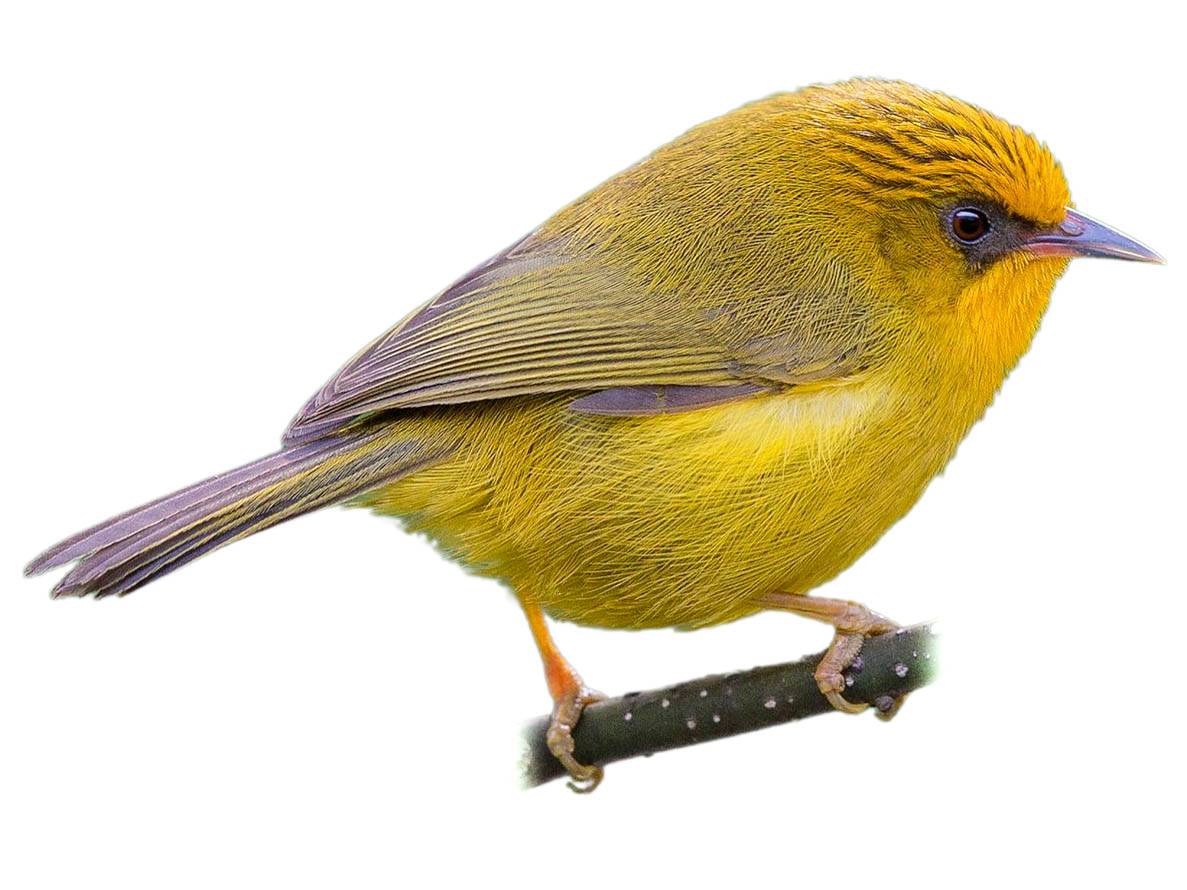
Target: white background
x: 207, y: 207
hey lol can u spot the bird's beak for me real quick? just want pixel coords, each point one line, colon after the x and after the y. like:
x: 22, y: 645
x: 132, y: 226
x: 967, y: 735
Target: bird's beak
x: 1080, y: 235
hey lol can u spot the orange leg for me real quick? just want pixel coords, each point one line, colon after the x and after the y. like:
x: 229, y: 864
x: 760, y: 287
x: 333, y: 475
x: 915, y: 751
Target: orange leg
x: 569, y: 698
x: 852, y: 622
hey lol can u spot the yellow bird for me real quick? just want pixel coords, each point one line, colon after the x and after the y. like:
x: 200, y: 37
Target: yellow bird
x: 697, y: 392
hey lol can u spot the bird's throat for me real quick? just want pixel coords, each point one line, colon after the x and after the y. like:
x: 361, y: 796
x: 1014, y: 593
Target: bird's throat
x: 997, y: 318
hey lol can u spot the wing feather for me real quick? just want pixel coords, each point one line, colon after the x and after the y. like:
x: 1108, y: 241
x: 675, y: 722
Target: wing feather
x: 538, y: 319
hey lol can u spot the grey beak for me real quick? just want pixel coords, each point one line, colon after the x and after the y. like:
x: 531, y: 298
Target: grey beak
x: 1080, y: 235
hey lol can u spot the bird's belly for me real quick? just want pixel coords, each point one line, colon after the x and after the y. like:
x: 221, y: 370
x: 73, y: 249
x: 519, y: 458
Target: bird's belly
x: 678, y: 519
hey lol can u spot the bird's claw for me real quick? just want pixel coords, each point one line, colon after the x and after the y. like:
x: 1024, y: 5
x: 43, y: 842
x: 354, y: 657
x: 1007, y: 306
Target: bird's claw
x: 853, y: 626
x: 565, y: 714
x: 829, y: 674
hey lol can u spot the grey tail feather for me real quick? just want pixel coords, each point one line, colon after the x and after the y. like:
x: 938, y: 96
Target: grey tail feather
x: 134, y: 548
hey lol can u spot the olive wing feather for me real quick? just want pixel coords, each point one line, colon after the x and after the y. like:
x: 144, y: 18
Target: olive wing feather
x: 536, y: 319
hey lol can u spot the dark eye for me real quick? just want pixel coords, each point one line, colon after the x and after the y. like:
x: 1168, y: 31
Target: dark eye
x: 969, y: 224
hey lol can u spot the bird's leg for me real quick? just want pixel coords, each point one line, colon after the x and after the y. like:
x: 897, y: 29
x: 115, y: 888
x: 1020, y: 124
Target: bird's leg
x: 852, y: 622
x: 569, y: 698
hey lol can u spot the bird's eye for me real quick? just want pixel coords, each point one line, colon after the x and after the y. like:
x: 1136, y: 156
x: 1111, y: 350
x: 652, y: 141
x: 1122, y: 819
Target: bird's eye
x: 969, y: 224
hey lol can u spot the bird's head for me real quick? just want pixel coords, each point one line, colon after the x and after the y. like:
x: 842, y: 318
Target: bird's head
x: 970, y: 212
x: 880, y: 194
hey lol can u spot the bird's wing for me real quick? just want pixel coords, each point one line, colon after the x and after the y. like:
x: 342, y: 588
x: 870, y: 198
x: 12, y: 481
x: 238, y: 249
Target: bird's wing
x: 535, y: 320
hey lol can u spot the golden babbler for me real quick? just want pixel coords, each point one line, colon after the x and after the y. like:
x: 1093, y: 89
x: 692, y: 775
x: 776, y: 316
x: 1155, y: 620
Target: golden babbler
x: 699, y: 391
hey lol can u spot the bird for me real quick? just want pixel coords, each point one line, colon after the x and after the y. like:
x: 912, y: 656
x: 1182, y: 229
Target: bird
x: 697, y: 392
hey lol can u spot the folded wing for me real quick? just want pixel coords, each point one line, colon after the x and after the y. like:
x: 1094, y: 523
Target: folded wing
x: 536, y: 319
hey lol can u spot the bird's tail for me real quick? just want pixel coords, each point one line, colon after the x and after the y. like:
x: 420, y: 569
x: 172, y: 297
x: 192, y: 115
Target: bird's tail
x: 134, y: 548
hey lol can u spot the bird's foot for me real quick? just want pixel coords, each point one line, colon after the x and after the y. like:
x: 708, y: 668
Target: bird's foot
x: 569, y: 698
x: 830, y: 676
x: 853, y: 623
x: 566, y: 712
